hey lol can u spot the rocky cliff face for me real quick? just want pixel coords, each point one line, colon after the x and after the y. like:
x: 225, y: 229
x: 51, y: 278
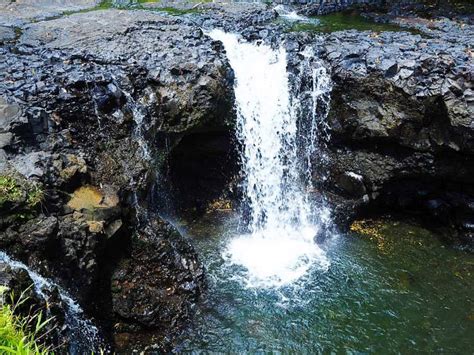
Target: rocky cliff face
x: 402, y: 124
x: 105, y: 115
x: 91, y: 106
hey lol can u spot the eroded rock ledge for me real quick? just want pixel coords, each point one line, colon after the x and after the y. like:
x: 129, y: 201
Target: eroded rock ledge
x: 402, y: 125
x: 95, y: 108
x: 91, y: 105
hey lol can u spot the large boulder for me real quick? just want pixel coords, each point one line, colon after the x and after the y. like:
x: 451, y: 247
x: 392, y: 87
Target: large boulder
x: 154, y: 289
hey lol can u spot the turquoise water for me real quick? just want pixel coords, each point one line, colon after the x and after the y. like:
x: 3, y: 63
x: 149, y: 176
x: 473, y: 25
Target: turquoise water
x: 397, y: 290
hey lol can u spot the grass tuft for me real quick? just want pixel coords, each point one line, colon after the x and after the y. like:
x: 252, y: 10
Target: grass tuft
x: 9, y: 189
x: 19, y: 335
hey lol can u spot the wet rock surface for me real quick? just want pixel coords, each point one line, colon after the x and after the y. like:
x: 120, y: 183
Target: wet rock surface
x: 90, y: 107
x: 402, y: 119
x: 107, y: 115
x: 143, y: 298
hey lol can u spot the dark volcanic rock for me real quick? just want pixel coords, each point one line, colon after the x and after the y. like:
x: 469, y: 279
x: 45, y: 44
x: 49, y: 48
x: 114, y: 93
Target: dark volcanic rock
x: 16, y: 13
x: 91, y: 105
x: 402, y: 121
x: 155, y: 290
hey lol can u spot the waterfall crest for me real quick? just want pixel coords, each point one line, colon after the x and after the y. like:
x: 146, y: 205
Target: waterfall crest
x: 280, y: 246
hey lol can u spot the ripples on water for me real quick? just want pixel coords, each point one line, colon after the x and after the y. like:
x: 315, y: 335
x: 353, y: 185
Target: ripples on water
x: 403, y: 293
x: 274, y: 289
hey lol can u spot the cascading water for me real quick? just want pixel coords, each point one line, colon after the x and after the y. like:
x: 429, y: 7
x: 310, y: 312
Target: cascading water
x: 83, y: 335
x: 280, y: 246
x: 290, y: 15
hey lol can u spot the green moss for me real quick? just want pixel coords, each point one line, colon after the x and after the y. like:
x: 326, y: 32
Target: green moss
x: 18, y: 335
x: 174, y: 11
x: 103, y: 5
x: 35, y: 195
x: 177, y: 12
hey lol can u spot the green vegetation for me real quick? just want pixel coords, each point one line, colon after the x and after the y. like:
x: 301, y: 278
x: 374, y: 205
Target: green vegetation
x: 35, y: 195
x: 103, y: 5
x: 174, y: 11
x: 17, y: 190
x: 9, y: 190
x: 20, y: 335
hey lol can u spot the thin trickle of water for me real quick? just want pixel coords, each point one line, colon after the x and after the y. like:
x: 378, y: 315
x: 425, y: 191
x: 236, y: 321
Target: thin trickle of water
x: 83, y: 335
x: 280, y: 246
x: 311, y: 101
x: 138, y: 108
x: 139, y: 130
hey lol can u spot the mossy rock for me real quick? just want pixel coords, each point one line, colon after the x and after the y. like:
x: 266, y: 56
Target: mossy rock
x: 18, y: 192
x: 90, y: 198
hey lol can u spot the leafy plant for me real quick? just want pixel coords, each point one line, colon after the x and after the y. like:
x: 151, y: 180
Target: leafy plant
x: 20, y: 335
x: 17, y: 190
x: 9, y: 189
x: 35, y: 195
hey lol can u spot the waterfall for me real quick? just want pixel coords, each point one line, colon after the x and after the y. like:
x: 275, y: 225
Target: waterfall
x: 83, y: 335
x: 280, y: 246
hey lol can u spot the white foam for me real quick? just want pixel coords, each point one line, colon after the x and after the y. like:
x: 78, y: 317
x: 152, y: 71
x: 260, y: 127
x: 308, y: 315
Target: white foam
x: 290, y: 15
x: 280, y: 247
x: 276, y: 257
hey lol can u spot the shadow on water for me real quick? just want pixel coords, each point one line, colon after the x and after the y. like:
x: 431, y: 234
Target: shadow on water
x: 392, y: 287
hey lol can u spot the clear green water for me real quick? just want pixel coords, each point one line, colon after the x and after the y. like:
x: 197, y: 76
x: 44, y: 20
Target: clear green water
x: 399, y: 292
x: 340, y: 21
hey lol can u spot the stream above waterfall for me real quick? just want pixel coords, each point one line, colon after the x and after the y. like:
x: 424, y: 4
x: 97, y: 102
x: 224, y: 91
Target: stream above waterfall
x: 399, y: 291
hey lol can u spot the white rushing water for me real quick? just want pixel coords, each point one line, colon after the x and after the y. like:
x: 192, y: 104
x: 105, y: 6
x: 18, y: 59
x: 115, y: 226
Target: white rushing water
x: 280, y: 246
x: 83, y: 334
x: 292, y: 15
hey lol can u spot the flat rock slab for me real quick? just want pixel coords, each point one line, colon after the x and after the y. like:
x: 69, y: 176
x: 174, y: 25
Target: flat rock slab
x: 82, y: 30
x: 19, y: 12
x: 6, y: 34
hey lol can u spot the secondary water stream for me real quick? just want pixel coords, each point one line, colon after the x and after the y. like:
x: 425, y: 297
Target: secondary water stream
x: 83, y: 335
